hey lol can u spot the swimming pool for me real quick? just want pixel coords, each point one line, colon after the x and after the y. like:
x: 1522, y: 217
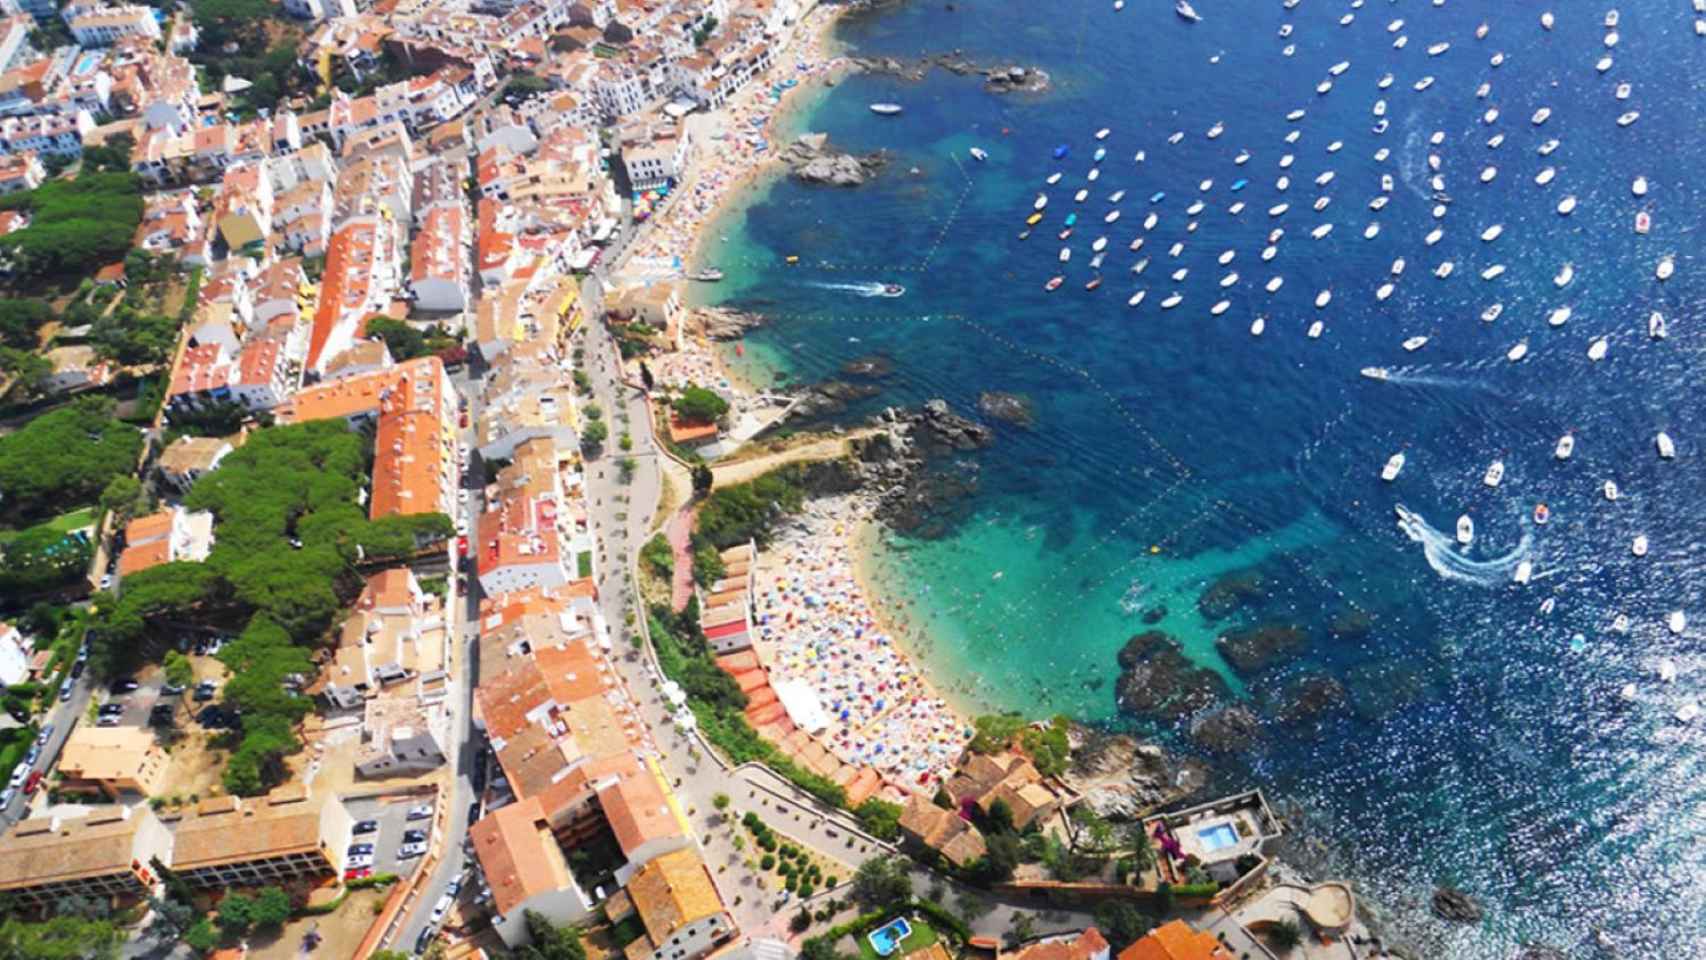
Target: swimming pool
x: 86, y: 61
x: 1218, y: 837
x: 886, y: 938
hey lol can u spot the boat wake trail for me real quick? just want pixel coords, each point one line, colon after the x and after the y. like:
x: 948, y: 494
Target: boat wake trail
x: 1421, y: 377
x: 1444, y: 557
x: 872, y: 289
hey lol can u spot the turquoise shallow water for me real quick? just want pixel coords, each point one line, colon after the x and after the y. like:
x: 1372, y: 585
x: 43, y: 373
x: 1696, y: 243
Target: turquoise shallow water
x: 1484, y: 743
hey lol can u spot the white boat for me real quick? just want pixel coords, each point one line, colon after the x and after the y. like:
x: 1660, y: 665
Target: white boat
x: 1433, y: 162
x: 1136, y: 298
x: 1320, y: 203
x: 1493, y: 272
x: 1257, y: 326
x: 1186, y: 12
x: 1230, y: 279
x: 1385, y: 81
x: 1488, y: 173
x: 979, y: 154
x: 1278, y: 209
x: 1423, y: 83
x: 1102, y: 134
x: 1517, y: 352
x: 1492, y: 313
x: 1482, y: 90
x: 1565, y: 275
x: 1321, y: 231
x: 1323, y: 298
x: 1094, y: 174
x: 1215, y: 131
x: 1611, y: 39
x: 1415, y: 343
x: 1111, y: 216
x: 1386, y: 183
x: 1394, y: 464
x: 1567, y: 205
x: 1597, y: 349
x: 1638, y: 546
x: 1205, y: 186
x: 1236, y: 208
x: 1546, y: 20
x: 1677, y: 621
x: 1437, y: 182
x: 1100, y: 245
x: 1175, y: 249
x: 1495, y: 141
x: 1546, y: 148
x: 1444, y: 270
x: 1176, y: 136
x: 1065, y: 254
x: 1566, y: 446
x: 1611, y: 19
x: 1220, y: 307
x: 1371, y: 231
x: 1140, y: 265
x: 1626, y: 119
x: 1495, y: 474
x: 1611, y: 492
x: 1666, y: 267
x: 1492, y: 233
x: 1434, y: 236
x: 1395, y: 26
x: 1540, y: 116
x: 1053, y: 178
x: 1135, y: 245
x: 1295, y: 115
x: 1195, y: 208
x: 1559, y: 316
x: 1656, y: 325
x: 1042, y: 201
x: 1524, y: 571
x: 1325, y: 178
x: 1384, y: 291
x: 1622, y: 92
x: 1490, y: 116
x: 1242, y: 158
x: 1227, y: 256
x: 1171, y: 302
x: 1667, y: 670
x: 1399, y: 43
x: 1604, y: 64
x: 1375, y: 373
x: 1315, y: 330
x: 1620, y: 624
x: 1481, y: 31
x: 1667, y: 446
x: 1398, y: 267
x: 1436, y: 49
x: 1324, y: 86
x: 1100, y: 154
x: 1150, y: 221
x: 1116, y: 196
x: 1282, y: 184
x: 1338, y: 69
x: 1269, y: 252
x: 1687, y: 712
x: 1180, y: 274
x: 885, y: 109
x: 1639, y: 187
x: 1380, y: 108
x: 1545, y: 176
x: 1275, y: 283
x: 1465, y: 530
x: 1080, y: 195
x: 1497, y: 59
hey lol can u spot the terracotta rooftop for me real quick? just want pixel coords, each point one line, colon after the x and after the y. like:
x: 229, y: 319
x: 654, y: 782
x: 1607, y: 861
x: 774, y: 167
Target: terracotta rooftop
x: 46, y: 850
x: 673, y: 891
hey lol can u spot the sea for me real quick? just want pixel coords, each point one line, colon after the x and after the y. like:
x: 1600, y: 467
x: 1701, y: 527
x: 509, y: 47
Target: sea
x: 1485, y: 739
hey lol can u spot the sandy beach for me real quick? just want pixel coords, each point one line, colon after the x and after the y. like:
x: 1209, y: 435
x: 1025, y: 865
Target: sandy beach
x: 817, y: 624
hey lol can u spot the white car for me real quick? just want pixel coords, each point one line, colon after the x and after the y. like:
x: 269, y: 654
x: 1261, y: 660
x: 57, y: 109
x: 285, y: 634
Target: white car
x: 422, y: 812
x: 441, y: 908
x: 409, y: 851
x: 358, y: 861
x: 19, y: 772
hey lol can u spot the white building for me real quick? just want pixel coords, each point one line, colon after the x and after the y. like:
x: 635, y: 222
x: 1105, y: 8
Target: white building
x: 654, y: 153
x: 94, y: 26
x: 14, y: 656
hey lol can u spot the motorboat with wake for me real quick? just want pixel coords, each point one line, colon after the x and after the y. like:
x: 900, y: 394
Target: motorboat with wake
x: 1186, y: 12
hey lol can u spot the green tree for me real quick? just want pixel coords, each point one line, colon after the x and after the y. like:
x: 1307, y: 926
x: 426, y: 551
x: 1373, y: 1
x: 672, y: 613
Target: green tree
x: 169, y: 919
x: 76, y: 226
x: 123, y: 497
x: 65, y: 457
x: 548, y: 941
x: 178, y: 669
x: 402, y: 340
x: 1284, y: 935
x: 593, y: 434
x: 700, y: 405
x: 720, y: 800
x: 61, y: 938
x: 201, y: 936
x: 995, y: 732
x: 883, y: 881
x: 271, y: 907
x: 1048, y: 746
x: 236, y: 914
x: 110, y: 157
x: 658, y: 556
x: 703, y: 478
x: 1023, y: 928
x: 880, y: 818
x: 134, y: 337
x: 820, y: 948
x: 708, y: 565
x: 21, y: 320
x: 29, y: 371
x: 1121, y: 923
x: 42, y: 558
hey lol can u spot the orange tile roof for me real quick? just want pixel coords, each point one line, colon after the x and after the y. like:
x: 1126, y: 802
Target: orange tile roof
x: 154, y: 526
x: 518, y: 855
x: 138, y: 558
x: 505, y: 700
x: 1176, y: 940
x: 672, y: 891
x: 1085, y: 945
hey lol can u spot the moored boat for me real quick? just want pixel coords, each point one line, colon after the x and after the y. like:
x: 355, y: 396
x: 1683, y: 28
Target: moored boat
x: 885, y: 109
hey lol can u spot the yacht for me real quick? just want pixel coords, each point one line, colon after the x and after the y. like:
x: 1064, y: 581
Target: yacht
x: 1398, y: 267
x: 1415, y: 343
x: 1375, y: 373
x: 979, y: 154
x: 1666, y: 267
x: 1546, y: 20
x: 1269, y: 252
x: 1643, y: 221
x: 1482, y: 91
x: 1628, y: 118
x: 1687, y: 712
x: 1611, y: 19
x: 1545, y: 149
x: 1517, y: 352
x: 1540, y: 116
x: 1282, y: 184
x: 1323, y: 298
x: 1100, y: 154
x: 1230, y: 279
x: 1257, y: 326
x: 1242, y: 158
x: 1497, y: 59
x: 1493, y: 272
x: 1315, y: 330
x: 1638, y: 546
x: 1150, y: 221
x: 1321, y: 231
x: 1490, y: 116
x: 1639, y: 187
x: 1053, y: 178
x: 1100, y: 245
x: 1465, y: 530
x: 1495, y: 141
x: 1176, y: 136
x: 1394, y: 464
x: 1321, y: 203
x: 1559, y: 316
x: 1667, y: 447
x: 1492, y: 313
x: 1081, y: 195
x: 1295, y: 115
x: 1135, y: 245
x: 1227, y: 256
x: 1677, y: 621
x: 1566, y: 446
x: 1094, y: 174
x: 1611, y: 492
x: 1423, y: 83
x: 1492, y: 233
x: 1565, y: 275
x: 1371, y: 231
x: 1278, y: 209
x: 1324, y: 86
x: 885, y: 109
x: 1065, y: 254
x: 1567, y: 205
x: 1171, y: 301
x: 1216, y: 130
x: 1116, y: 196
x: 1495, y: 474
x: 1611, y: 39
x: 1111, y: 216
x: 1481, y: 31
x: 1434, y: 236
x: 1140, y: 265
x: 1380, y: 108
x: 1220, y: 307
x: 1194, y: 209
x: 1042, y: 201
x: 1436, y: 49
x: 1444, y: 270
x: 1596, y: 349
x: 707, y: 275
x: 1385, y: 81
x: 1384, y: 291
x: 1545, y: 176
x: 1667, y: 670
x: 1338, y: 69
x: 1622, y: 91
x: 1102, y: 134
x: 1656, y: 325
x: 1524, y: 571
x: 1186, y: 12
x: 1136, y: 298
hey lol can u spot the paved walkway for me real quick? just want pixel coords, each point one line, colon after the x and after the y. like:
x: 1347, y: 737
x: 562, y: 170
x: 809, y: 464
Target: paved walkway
x: 679, y: 532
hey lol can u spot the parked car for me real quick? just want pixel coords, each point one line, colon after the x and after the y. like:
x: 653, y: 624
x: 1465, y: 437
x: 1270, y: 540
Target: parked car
x: 361, y: 849
x: 454, y: 887
x: 441, y: 908
x: 424, y: 941
x: 205, y: 690
x: 414, y: 836
x: 46, y: 731
x: 19, y: 772
x: 111, y: 709
x: 6, y: 796
x: 473, y: 812
x: 122, y: 685
x: 421, y: 812
x: 358, y: 873
x: 77, y: 668
x: 365, y: 826
x: 161, y: 713
x: 109, y: 720
x: 32, y: 755
x: 32, y: 782
x: 365, y: 860
x: 410, y: 850
x: 65, y: 690
x: 171, y: 689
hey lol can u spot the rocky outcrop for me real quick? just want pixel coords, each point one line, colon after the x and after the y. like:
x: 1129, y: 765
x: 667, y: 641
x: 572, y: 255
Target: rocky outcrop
x: 721, y: 323
x: 1227, y: 730
x: 810, y: 159
x: 1122, y: 777
x: 1455, y: 906
x: 1015, y: 79
x: 875, y: 366
x: 1158, y: 682
x: 1013, y: 408
x: 997, y: 77
x: 1309, y: 697
x: 1254, y: 649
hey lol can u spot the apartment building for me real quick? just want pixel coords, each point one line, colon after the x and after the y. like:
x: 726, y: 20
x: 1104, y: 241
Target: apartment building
x: 241, y: 842
x: 519, y: 542
x: 170, y: 535
x: 21, y: 171
x: 112, y: 761
x: 438, y: 259
x: 60, y: 135
x: 188, y: 459
x: 107, y: 856
x: 679, y: 907
x: 97, y: 26
x: 654, y: 153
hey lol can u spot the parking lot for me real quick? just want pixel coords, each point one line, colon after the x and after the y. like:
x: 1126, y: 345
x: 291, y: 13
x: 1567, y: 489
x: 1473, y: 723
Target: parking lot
x: 393, y: 820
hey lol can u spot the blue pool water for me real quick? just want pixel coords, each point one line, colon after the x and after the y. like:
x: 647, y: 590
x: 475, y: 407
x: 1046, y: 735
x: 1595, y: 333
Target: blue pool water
x: 1461, y: 735
x: 1217, y: 837
x: 886, y: 939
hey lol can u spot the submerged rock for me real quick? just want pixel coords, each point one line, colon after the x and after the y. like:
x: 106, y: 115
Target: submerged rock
x: 1255, y: 649
x: 1157, y: 681
x: 1350, y: 624
x: 1013, y: 408
x: 1154, y: 615
x: 1227, y: 730
x: 1311, y: 696
x: 1455, y: 906
x: 874, y: 366
x: 1225, y: 596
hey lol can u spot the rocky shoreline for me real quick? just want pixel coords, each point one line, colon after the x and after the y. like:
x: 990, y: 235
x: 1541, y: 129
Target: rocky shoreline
x: 997, y: 78
x: 810, y: 160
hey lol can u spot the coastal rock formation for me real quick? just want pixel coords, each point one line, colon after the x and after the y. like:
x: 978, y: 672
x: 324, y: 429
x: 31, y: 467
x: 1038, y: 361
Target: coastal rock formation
x: 810, y: 159
x: 1157, y: 681
x: 1350, y: 625
x: 1455, y: 906
x: 1123, y: 778
x: 1013, y: 408
x: 1254, y: 649
x: 1015, y: 79
x: 721, y: 323
x: 997, y: 78
x: 1540, y: 951
x: 1227, y: 730
x: 1309, y: 697
x: 1225, y: 596
x: 875, y: 366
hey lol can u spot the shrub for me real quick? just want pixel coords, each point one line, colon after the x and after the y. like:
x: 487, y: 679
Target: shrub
x: 767, y: 862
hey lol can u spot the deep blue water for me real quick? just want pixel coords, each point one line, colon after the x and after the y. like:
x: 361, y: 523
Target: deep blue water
x: 1485, y: 743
